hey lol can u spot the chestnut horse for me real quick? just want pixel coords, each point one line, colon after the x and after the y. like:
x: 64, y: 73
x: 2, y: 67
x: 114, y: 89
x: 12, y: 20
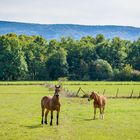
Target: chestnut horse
x: 99, y: 102
x: 51, y: 103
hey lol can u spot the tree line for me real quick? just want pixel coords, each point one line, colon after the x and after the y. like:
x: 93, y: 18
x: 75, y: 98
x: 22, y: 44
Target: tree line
x: 25, y: 57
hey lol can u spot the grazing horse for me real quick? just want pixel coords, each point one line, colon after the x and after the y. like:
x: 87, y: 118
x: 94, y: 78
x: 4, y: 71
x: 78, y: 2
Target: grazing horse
x: 99, y: 102
x: 51, y: 103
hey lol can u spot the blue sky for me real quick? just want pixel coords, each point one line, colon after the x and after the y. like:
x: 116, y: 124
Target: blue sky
x: 87, y: 12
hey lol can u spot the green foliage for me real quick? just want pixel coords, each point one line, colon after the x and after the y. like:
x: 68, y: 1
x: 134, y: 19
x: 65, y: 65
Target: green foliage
x: 117, y: 53
x: 12, y: 60
x: 99, y: 38
x: 134, y: 54
x: 57, y: 64
x: 100, y: 70
x: 126, y: 72
x: 35, y: 55
x: 35, y: 58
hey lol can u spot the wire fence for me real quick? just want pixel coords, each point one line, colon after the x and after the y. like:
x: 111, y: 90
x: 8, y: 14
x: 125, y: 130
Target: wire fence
x: 81, y: 93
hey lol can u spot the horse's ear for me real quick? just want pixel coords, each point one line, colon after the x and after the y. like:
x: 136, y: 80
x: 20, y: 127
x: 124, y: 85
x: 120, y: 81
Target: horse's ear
x: 57, y: 86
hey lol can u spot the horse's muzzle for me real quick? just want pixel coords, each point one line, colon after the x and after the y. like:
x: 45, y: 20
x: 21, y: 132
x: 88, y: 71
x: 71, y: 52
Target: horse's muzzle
x: 88, y: 99
x: 57, y: 95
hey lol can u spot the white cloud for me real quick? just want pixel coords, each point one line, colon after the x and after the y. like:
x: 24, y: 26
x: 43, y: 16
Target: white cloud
x: 117, y: 12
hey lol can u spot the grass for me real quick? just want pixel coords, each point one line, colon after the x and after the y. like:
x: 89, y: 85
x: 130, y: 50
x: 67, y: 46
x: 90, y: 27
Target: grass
x: 21, y: 82
x: 110, y: 88
x: 20, y: 117
x: 28, y: 89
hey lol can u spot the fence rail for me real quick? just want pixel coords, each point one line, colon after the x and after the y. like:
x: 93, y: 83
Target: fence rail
x: 81, y: 93
x: 117, y: 95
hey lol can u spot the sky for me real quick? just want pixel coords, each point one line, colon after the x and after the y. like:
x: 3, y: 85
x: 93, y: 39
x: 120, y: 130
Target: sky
x: 84, y: 12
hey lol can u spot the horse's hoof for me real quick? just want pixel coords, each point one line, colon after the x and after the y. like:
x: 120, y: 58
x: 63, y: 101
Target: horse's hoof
x: 41, y: 122
x: 57, y: 123
x: 50, y: 124
x: 46, y: 123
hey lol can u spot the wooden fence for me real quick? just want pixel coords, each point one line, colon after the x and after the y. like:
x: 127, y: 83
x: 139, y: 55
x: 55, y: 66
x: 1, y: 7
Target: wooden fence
x: 81, y: 93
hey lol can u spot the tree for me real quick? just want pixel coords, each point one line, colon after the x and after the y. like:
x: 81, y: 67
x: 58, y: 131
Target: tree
x: 126, y: 73
x: 52, y: 46
x: 88, y: 39
x: 100, y: 70
x: 73, y: 58
x: 88, y: 51
x: 117, y: 53
x: 134, y: 54
x: 102, y: 50
x: 12, y: 63
x: 36, y: 56
x: 57, y: 65
x: 99, y: 38
x: 83, y: 71
x: 89, y: 58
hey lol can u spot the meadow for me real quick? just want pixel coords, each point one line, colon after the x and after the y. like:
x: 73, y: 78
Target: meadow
x: 20, y: 113
x: 108, y: 88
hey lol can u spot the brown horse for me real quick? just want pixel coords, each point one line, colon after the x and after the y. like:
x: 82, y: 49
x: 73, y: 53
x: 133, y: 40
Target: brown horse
x: 51, y: 103
x: 99, y: 102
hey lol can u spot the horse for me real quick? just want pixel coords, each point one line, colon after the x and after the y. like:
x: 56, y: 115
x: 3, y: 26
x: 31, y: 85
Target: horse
x: 51, y: 103
x: 99, y: 102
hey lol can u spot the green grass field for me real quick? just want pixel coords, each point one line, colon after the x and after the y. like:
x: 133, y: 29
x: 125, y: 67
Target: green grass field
x: 20, y: 116
x: 110, y: 88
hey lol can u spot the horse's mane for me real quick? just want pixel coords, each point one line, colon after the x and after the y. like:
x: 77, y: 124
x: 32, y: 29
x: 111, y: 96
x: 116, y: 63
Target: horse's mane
x: 96, y: 96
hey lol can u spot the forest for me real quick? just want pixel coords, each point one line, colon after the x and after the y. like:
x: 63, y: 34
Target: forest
x: 90, y: 58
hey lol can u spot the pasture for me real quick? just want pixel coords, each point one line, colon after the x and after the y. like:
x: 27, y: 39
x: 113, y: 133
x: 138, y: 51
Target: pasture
x: 20, y: 114
x: 108, y: 88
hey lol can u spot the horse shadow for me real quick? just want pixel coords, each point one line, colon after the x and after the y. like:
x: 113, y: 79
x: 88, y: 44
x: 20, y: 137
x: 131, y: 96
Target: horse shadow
x: 87, y: 119
x: 33, y: 126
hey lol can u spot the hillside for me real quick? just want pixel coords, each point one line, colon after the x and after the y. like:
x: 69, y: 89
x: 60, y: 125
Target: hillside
x: 50, y: 31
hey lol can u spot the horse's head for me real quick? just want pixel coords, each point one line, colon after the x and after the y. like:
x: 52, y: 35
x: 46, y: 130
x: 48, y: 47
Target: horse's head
x: 57, y: 90
x: 92, y: 95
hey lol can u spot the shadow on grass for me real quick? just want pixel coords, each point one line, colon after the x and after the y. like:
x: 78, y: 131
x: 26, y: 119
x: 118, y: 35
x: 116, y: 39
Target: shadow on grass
x: 33, y: 126
x: 88, y: 119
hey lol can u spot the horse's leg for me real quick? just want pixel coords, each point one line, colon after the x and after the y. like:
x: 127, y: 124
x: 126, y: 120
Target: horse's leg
x: 101, y: 112
x: 51, y: 117
x: 94, y: 113
x: 57, y: 117
x: 42, y: 114
x: 46, y: 114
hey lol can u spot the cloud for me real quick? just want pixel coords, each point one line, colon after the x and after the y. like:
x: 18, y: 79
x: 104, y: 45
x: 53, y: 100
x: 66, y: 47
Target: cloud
x: 117, y: 12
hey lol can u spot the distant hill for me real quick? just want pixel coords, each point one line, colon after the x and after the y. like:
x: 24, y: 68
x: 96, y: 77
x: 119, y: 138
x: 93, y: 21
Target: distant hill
x: 50, y: 31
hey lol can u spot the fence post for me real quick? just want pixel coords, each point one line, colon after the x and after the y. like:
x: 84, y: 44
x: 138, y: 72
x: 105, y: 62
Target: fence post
x: 117, y: 93
x: 78, y: 91
x: 82, y: 90
x: 131, y: 94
